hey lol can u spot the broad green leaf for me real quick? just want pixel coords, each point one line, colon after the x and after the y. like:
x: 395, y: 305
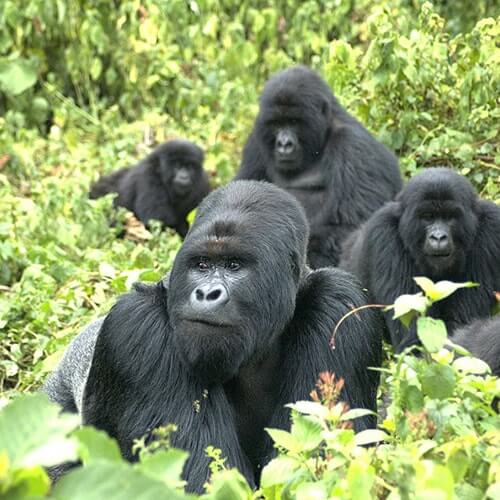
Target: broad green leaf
x: 229, y: 484
x: 34, y: 432
x: 278, y: 471
x: 17, y: 75
x: 433, y: 481
x: 468, y: 364
x: 438, y: 381
x: 165, y: 465
x: 360, y: 478
x: 310, y: 408
x: 306, y: 432
x: 311, y: 491
x: 441, y: 289
x: 406, y: 306
x: 356, y: 413
x: 96, y: 445
x: 370, y: 436
x: 432, y: 333
x: 112, y: 481
x: 285, y: 440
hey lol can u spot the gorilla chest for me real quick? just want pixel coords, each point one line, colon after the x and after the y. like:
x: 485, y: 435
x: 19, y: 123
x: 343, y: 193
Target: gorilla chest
x: 311, y: 199
x: 308, y: 187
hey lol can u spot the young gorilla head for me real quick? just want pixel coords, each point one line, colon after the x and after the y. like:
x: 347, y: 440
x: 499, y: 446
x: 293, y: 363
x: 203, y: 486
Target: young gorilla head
x: 234, y: 282
x: 438, y: 221
x: 179, y: 165
x: 295, y: 118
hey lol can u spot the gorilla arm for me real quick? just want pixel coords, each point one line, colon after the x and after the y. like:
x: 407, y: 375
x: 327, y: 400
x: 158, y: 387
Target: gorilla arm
x: 324, y: 298
x: 253, y: 164
x: 385, y: 267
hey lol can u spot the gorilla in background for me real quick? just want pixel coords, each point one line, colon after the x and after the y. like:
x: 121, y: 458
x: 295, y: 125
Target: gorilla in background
x: 482, y: 339
x: 438, y: 228
x: 166, y: 185
x: 239, y: 328
x: 305, y: 142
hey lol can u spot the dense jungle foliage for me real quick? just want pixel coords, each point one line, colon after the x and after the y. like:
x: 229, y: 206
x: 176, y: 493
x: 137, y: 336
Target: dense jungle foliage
x: 88, y: 86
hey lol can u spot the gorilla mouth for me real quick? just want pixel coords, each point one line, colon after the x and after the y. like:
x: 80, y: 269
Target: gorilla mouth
x: 208, y: 322
x: 437, y: 253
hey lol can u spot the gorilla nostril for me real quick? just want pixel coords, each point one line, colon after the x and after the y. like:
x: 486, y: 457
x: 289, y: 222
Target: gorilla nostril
x: 199, y: 295
x: 214, y: 294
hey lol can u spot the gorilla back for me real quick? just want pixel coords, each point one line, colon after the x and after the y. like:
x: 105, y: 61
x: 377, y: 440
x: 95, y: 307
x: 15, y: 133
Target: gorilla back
x: 239, y: 328
x: 305, y: 142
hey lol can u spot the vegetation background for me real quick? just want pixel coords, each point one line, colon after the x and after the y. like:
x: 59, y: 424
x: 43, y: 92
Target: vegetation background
x: 88, y: 86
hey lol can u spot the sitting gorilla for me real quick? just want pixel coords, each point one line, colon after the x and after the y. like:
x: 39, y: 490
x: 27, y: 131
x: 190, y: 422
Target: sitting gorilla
x: 305, y: 142
x: 437, y: 227
x: 482, y: 339
x: 239, y: 328
x: 166, y: 185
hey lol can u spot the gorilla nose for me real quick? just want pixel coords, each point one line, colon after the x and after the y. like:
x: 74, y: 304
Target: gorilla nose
x: 439, y: 239
x: 183, y: 178
x: 284, y: 144
x: 209, y: 297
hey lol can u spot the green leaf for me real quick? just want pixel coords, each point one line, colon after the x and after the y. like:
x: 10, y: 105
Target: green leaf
x: 310, y: 408
x: 468, y: 364
x: 433, y: 481
x: 306, y: 432
x: 165, y: 465
x: 278, y: 471
x: 34, y: 432
x: 356, y: 413
x: 96, y: 445
x: 432, y: 333
x: 442, y: 289
x: 229, y: 484
x: 406, y: 306
x: 112, y: 481
x: 370, y: 436
x: 311, y: 491
x: 17, y: 75
x: 360, y: 478
x: 438, y: 381
x: 285, y: 440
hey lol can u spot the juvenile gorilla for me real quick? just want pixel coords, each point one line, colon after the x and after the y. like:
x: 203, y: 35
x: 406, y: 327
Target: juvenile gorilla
x: 239, y: 328
x: 166, y: 185
x: 438, y: 228
x: 305, y: 142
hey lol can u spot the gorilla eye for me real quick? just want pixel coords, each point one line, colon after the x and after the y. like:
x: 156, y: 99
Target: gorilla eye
x: 427, y: 216
x: 233, y: 265
x: 202, y: 265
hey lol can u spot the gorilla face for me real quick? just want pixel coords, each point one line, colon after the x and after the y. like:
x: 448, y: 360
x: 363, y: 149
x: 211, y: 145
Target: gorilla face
x: 230, y: 286
x: 294, y: 119
x: 439, y: 221
x: 180, y: 165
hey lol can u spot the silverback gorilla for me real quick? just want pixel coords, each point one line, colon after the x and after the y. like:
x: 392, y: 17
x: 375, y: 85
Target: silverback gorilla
x: 305, y: 142
x: 166, y: 185
x: 438, y: 228
x: 239, y: 328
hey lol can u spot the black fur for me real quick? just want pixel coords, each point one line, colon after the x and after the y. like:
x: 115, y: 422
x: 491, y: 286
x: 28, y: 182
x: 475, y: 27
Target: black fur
x: 338, y: 171
x: 390, y: 249
x: 225, y: 378
x: 482, y: 339
x: 151, y: 188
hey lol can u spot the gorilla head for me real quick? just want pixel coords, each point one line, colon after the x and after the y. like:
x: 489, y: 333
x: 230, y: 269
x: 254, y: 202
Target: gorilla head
x: 295, y: 118
x: 232, y: 254
x: 179, y: 165
x: 438, y: 221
